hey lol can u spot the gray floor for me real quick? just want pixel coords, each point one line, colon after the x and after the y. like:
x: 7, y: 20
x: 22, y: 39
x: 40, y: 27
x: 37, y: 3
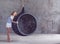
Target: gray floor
x: 31, y: 39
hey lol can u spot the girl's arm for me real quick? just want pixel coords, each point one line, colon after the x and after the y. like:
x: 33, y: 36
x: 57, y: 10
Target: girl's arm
x: 15, y: 22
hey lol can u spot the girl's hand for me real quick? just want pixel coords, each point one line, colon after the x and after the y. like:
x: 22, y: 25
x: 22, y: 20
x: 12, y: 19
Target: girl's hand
x: 17, y: 22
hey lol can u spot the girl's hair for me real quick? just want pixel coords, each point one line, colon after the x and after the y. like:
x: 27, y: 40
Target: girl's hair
x: 13, y: 12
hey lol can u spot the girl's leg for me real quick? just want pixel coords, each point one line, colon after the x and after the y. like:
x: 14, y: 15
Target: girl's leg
x: 8, y: 34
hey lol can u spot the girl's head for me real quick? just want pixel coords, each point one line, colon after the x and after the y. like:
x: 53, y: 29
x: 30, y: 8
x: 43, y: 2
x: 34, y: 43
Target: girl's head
x: 14, y: 13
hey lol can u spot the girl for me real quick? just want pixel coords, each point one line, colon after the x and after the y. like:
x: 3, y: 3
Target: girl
x: 9, y: 24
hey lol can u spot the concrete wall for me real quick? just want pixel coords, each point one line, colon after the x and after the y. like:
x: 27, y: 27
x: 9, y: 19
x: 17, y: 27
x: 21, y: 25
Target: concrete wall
x: 46, y: 12
x: 6, y: 7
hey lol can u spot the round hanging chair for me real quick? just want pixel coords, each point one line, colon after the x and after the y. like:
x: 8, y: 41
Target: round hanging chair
x: 26, y: 24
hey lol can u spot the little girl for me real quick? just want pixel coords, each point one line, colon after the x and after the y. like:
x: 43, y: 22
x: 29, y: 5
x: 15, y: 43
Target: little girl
x: 9, y: 24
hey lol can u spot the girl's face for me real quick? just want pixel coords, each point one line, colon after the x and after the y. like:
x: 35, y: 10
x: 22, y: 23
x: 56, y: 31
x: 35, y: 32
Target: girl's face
x: 15, y: 13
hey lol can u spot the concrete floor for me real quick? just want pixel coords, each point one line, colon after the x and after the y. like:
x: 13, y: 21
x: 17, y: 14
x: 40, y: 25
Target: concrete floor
x: 31, y: 39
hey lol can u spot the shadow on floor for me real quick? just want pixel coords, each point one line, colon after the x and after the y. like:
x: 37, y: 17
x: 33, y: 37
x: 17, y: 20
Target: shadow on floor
x: 57, y: 43
x: 7, y: 41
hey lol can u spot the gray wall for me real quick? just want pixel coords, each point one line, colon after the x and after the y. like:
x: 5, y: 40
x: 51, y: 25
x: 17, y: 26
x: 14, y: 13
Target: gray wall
x: 46, y: 12
x: 6, y: 7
